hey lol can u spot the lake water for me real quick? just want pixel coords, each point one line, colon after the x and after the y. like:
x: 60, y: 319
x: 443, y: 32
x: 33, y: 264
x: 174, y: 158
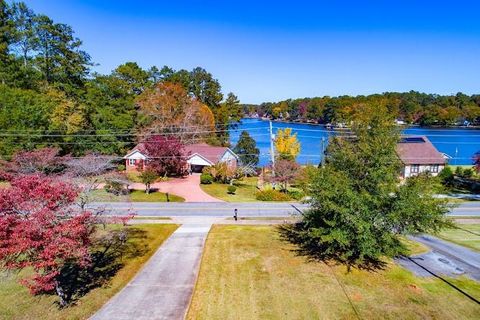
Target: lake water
x: 458, y: 143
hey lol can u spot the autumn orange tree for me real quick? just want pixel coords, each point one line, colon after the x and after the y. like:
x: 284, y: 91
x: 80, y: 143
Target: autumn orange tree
x: 168, y: 108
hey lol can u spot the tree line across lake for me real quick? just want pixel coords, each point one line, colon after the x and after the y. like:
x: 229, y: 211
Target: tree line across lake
x: 410, y: 107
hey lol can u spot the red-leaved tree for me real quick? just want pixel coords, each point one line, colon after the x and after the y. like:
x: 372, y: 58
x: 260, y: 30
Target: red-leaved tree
x: 40, y: 229
x: 166, y: 155
x: 285, y: 172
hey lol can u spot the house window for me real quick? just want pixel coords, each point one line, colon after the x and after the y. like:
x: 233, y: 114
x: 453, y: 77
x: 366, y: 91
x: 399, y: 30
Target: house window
x: 415, y: 168
x: 131, y: 162
x: 434, y: 168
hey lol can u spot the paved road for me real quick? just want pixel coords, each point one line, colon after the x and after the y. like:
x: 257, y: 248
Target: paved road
x: 226, y: 209
x: 445, y: 258
x: 163, y: 288
x: 471, y: 208
x: 222, y: 209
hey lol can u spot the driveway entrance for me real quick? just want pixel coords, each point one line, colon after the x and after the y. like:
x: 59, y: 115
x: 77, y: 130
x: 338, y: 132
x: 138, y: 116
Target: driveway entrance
x: 187, y: 188
x: 196, y: 168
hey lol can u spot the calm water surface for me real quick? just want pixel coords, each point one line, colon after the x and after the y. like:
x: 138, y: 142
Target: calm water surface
x: 458, y: 143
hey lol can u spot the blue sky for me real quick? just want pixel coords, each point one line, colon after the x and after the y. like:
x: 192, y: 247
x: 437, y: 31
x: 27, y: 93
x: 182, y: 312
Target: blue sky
x: 270, y: 50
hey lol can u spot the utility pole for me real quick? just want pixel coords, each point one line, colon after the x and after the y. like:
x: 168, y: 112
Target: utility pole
x: 272, y: 154
x: 322, y: 152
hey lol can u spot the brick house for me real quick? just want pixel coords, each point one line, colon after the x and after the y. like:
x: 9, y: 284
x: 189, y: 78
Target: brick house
x: 198, y: 156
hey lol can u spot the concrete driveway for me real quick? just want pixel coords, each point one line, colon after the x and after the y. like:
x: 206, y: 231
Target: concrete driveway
x: 444, y: 258
x: 163, y: 288
x: 187, y: 188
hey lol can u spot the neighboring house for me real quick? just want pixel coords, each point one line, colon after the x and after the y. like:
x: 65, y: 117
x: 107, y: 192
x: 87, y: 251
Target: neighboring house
x: 418, y: 155
x: 198, y: 156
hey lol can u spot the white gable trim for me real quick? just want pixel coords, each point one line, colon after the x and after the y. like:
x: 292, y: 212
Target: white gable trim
x: 228, y: 156
x: 135, y: 154
x: 193, y: 155
x: 233, y: 153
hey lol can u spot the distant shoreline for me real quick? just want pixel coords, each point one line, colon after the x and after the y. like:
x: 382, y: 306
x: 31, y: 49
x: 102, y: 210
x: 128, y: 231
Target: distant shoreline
x: 407, y: 126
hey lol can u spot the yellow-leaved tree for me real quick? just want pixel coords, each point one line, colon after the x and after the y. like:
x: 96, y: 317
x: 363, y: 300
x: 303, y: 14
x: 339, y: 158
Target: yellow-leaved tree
x: 68, y: 117
x: 287, y: 144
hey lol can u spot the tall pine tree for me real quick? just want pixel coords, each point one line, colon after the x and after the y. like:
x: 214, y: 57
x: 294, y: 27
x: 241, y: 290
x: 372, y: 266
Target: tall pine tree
x: 6, y: 38
x: 247, y: 150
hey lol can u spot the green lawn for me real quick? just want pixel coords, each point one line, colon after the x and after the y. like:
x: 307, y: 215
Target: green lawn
x: 133, y: 176
x: 463, y: 237
x: 135, y: 196
x: 248, y: 273
x: 460, y: 200
x: 415, y: 247
x: 463, y: 166
x: 141, y: 196
x: 246, y: 189
x: 17, y: 303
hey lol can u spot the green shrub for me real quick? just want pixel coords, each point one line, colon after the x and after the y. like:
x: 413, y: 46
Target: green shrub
x: 121, y: 167
x: 231, y: 189
x: 272, y: 195
x: 296, y: 194
x: 223, y: 173
x: 206, y: 178
x: 446, y: 176
x: 459, y: 171
x: 468, y: 173
x: 116, y: 187
x: 134, y: 176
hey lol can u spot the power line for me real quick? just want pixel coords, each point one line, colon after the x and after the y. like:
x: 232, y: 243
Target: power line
x: 456, y: 143
x: 139, y: 134
x: 120, y: 132
x: 466, y: 129
x: 214, y: 154
x: 231, y: 126
x: 345, y: 132
x: 445, y: 280
x: 117, y: 135
x: 84, y: 142
x: 434, y: 142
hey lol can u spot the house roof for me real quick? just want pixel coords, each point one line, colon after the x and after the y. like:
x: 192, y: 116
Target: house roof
x: 138, y: 148
x: 210, y: 153
x: 418, y: 150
